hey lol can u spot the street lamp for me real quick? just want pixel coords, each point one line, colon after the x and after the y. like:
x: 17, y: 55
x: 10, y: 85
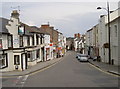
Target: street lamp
x: 108, y: 11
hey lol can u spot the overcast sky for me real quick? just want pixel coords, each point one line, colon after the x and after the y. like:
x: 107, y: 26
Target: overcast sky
x: 67, y: 17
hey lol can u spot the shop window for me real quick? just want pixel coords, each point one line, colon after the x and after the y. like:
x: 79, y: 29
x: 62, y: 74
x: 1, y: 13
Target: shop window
x: 16, y: 60
x: 38, y: 53
x: 3, y: 60
x: 33, y: 55
x: 29, y: 56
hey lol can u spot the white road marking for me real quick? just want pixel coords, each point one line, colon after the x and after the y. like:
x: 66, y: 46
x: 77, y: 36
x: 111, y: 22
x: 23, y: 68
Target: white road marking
x: 20, y: 81
x: 19, y: 77
x: 24, y: 80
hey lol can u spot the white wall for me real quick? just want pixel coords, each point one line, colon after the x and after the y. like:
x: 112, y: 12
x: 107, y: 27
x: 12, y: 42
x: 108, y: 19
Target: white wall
x: 13, y: 29
x: 47, y: 39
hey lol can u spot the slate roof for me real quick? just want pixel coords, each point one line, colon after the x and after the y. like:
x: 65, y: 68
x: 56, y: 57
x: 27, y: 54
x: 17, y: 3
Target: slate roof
x: 28, y: 29
x: 3, y: 23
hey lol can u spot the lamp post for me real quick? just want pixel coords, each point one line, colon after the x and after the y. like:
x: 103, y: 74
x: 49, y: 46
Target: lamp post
x: 108, y: 11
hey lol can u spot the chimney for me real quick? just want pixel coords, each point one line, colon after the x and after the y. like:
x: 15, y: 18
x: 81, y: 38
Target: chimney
x: 15, y: 14
x: 45, y: 26
x: 74, y: 35
x: 78, y: 35
x: 52, y: 27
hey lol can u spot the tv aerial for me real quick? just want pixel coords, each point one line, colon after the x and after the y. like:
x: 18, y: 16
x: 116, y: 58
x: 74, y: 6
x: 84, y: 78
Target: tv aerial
x: 16, y: 8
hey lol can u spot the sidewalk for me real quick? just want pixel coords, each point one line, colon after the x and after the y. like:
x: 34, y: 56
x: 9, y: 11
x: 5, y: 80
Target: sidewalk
x: 31, y: 69
x: 106, y: 67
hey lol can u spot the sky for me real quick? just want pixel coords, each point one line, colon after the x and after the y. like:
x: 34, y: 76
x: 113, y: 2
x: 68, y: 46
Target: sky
x: 68, y: 17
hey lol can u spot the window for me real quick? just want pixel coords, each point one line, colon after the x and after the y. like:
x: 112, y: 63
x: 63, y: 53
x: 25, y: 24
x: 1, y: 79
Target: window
x: 38, y: 53
x: 16, y: 60
x: 29, y: 56
x: 37, y: 39
x: 115, y: 30
x: 21, y: 41
x: 10, y: 41
x: 0, y: 44
x: 28, y: 40
x: 41, y: 40
x: 33, y: 56
x: 3, y: 60
x: 33, y: 40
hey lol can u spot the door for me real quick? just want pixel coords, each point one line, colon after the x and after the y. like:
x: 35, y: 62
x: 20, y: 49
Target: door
x: 16, y: 61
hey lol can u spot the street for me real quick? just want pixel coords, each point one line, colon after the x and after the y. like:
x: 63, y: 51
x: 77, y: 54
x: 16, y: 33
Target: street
x: 69, y: 72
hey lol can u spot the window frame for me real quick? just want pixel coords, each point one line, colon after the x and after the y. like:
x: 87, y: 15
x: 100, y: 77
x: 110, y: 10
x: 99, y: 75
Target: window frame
x: 21, y: 40
x: 15, y: 62
x: 6, y: 61
x: 28, y: 41
x: 10, y: 40
x: 116, y: 30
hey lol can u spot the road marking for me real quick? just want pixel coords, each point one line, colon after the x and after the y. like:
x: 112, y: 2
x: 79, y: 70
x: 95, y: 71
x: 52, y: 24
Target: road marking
x: 24, y: 80
x: 19, y: 77
x: 21, y: 81
x: 41, y: 69
x: 36, y: 71
x: 104, y: 71
x: 46, y: 67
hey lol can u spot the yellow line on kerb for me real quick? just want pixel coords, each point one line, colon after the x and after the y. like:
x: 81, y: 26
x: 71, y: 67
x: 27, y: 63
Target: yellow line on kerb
x: 35, y: 71
x: 104, y: 71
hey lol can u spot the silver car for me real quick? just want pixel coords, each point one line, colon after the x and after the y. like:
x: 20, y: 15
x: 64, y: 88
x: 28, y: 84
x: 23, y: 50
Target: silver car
x: 83, y: 58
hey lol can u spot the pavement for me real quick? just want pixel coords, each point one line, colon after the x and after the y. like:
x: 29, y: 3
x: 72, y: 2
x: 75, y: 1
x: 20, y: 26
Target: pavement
x: 106, y: 67
x: 31, y: 69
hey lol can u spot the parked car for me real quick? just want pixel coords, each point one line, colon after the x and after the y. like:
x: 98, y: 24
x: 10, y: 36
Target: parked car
x: 78, y: 54
x: 82, y: 57
x: 95, y: 58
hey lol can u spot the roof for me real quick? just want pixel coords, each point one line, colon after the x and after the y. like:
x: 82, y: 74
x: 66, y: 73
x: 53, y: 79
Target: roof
x: 35, y: 29
x: 3, y: 23
x: 28, y: 29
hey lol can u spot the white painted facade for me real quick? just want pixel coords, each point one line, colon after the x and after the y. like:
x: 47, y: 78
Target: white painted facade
x: 48, y: 48
x: 62, y: 44
x: 103, y: 37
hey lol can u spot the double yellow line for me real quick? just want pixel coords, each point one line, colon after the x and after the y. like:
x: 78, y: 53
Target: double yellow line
x: 103, y: 70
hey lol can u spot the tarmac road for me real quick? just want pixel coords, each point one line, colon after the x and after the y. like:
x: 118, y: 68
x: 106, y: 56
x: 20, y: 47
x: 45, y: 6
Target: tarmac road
x: 69, y: 72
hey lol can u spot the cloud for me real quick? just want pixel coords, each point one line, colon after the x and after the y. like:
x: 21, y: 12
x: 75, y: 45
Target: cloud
x: 59, y: 0
x: 68, y: 17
